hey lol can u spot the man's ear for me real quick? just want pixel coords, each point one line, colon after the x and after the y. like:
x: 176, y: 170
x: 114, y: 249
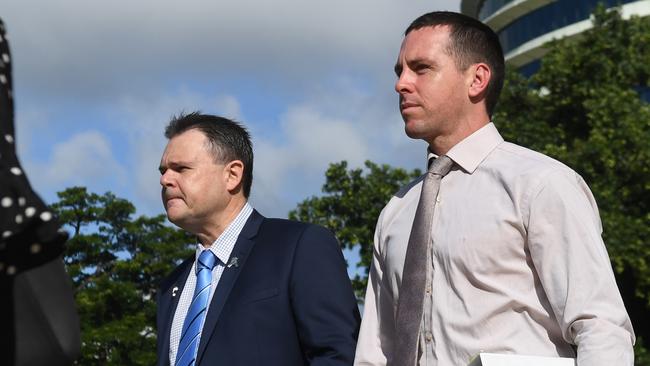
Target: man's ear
x: 234, y: 173
x: 480, y: 74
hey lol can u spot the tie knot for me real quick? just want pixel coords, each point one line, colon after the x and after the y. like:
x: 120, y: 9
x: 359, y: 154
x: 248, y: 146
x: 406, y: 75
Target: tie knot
x: 206, y: 260
x: 441, y: 166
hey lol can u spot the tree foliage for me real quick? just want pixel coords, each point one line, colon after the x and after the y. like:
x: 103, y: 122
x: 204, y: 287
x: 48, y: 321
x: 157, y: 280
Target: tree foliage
x: 583, y: 107
x: 351, y: 205
x: 116, y: 262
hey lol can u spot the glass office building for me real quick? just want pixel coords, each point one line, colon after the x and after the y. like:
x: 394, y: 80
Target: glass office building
x: 524, y: 26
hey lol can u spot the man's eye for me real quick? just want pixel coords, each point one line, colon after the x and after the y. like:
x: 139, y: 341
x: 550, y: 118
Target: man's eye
x: 421, y: 68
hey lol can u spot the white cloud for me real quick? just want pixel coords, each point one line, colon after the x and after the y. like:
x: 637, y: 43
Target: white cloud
x: 228, y: 106
x: 296, y: 166
x: 316, y: 133
x: 86, y: 159
x: 28, y: 124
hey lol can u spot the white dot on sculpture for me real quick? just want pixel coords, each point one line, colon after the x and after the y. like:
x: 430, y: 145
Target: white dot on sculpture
x: 46, y: 216
x: 30, y: 211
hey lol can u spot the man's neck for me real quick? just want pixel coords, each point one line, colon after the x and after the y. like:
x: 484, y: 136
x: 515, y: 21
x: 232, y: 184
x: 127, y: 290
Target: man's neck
x: 441, y: 144
x: 209, y: 235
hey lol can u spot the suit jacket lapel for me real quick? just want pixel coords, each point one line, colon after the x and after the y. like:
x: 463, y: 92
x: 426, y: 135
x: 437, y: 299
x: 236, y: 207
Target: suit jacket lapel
x: 169, y: 303
x: 242, y: 249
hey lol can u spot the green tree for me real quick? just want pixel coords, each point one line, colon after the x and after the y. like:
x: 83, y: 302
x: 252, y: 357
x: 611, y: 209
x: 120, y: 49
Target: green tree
x: 582, y: 107
x: 116, y: 262
x: 351, y: 205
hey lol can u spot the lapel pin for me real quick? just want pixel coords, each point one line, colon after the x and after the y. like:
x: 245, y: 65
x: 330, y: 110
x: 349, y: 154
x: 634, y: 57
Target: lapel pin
x: 174, y: 290
x: 234, y: 261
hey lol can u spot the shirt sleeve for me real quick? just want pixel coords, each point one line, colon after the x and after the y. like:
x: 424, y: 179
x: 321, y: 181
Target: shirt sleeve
x: 564, y: 238
x: 377, y: 324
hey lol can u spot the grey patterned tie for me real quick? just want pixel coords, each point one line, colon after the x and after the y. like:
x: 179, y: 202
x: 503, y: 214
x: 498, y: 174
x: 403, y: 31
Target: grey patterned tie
x: 411, y: 292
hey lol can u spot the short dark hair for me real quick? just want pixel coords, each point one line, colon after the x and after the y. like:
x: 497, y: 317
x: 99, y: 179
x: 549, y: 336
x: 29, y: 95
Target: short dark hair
x: 470, y: 42
x: 227, y: 139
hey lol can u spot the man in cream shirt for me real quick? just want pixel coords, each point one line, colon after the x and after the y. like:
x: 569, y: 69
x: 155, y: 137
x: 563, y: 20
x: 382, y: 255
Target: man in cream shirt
x: 515, y: 262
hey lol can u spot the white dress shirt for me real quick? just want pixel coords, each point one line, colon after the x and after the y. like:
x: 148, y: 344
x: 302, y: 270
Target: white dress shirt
x: 517, y: 264
x: 222, y: 248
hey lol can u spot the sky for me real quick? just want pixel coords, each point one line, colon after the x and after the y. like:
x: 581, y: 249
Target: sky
x: 97, y: 81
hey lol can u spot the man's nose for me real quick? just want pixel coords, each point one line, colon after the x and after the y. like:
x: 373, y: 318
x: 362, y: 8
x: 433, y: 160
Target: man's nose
x: 165, y: 179
x: 404, y: 83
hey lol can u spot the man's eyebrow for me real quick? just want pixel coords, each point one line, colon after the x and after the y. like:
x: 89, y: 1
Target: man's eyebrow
x: 173, y: 165
x: 414, y: 62
x: 419, y: 61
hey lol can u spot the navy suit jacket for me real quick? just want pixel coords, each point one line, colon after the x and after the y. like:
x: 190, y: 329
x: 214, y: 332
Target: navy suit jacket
x: 288, y: 302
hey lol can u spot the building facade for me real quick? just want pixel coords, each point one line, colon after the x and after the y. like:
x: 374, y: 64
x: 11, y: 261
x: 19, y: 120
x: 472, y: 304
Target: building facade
x: 524, y: 26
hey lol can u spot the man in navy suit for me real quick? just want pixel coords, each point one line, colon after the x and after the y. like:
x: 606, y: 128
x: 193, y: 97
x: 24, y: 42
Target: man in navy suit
x: 258, y: 291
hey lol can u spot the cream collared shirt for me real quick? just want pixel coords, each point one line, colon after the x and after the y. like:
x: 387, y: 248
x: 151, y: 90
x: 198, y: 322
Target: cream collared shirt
x: 517, y: 264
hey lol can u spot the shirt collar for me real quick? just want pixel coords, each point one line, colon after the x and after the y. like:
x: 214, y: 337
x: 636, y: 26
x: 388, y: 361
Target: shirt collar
x: 473, y: 149
x: 225, y: 243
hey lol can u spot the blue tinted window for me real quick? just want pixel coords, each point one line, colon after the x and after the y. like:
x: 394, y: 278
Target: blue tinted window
x: 644, y: 92
x: 530, y: 68
x: 549, y: 18
x: 490, y: 7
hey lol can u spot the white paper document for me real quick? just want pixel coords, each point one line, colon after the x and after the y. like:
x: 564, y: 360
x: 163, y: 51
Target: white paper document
x: 493, y: 359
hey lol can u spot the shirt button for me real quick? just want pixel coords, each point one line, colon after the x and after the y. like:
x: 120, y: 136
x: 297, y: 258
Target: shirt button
x: 428, y: 337
x: 437, y: 199
x: 428, y: 290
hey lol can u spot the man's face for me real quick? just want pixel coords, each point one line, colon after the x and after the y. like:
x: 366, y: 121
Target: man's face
x: 193, y: 185
x: 432, y: 91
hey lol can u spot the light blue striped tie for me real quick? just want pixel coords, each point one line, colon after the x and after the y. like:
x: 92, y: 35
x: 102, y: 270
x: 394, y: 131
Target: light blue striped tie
x: 191, y: 334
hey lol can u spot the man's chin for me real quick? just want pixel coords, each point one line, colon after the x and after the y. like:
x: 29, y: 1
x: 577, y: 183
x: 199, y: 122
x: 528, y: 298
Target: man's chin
x: 413, y: 132
x: 175, y: 218
x: 172, y: 220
